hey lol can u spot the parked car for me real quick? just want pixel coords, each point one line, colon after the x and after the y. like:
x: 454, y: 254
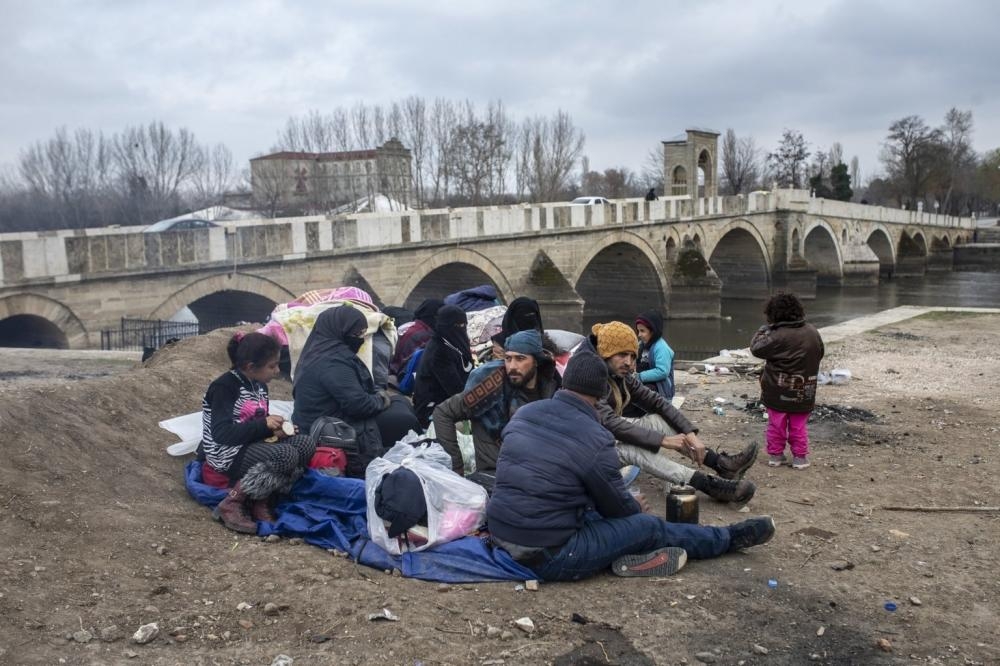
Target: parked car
x: 589, y: 201
x: 182, y: 224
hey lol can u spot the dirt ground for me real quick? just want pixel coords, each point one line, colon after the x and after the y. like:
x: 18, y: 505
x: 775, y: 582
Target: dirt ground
x: 98, y: 536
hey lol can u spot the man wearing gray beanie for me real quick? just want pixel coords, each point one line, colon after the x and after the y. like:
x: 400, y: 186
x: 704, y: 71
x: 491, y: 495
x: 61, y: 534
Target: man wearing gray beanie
x: 557, y: 462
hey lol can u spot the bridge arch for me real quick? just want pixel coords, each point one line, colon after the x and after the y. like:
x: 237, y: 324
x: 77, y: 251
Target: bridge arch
x: 451, y: 270
x: 911, y: 253
x: 820, y: 250
x: 31, y: 320
x: 740, y: 259
x: 620, y: 276
x: 880, y: 242
x: 224, y: 299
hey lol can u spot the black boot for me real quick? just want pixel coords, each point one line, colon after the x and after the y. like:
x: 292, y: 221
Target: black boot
x: 724, y: 490
x: 752, y: 532
x: 734, y: 467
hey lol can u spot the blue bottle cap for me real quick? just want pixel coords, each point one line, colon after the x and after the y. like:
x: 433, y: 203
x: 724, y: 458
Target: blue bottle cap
x: 890, y: 606
x: 772, y: 583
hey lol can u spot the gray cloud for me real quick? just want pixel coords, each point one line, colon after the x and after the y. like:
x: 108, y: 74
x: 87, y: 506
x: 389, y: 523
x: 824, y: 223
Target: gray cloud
x: 630, y: 74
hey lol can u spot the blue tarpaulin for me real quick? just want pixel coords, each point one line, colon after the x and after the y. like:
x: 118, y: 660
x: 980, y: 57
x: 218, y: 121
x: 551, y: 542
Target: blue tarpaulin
x: 330, y: 512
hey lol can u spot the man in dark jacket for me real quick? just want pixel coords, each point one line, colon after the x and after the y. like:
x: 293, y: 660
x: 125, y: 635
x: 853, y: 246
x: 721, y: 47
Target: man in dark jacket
x: 556, y: 463
x: 644, y: 441
x: 493, y: 393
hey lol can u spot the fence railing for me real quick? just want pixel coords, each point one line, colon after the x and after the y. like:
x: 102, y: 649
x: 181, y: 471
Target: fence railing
x: 142, y: 334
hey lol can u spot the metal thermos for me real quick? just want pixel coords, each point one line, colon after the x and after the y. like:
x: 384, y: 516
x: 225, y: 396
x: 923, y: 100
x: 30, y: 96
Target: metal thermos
x: 682, y: 505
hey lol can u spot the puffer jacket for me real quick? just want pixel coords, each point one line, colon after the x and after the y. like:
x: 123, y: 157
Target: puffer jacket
x: 793, y: 351
x: 556, y: 461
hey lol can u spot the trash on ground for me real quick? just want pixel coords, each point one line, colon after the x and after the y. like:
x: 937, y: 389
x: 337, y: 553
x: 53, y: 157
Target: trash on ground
x: 386, y: 614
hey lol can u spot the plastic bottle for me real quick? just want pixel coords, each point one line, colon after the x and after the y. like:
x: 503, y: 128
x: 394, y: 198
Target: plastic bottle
x: 718, y: 411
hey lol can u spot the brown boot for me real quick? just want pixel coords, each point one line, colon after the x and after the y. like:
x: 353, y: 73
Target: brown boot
x: 261, y: 510
x: 232, y: 511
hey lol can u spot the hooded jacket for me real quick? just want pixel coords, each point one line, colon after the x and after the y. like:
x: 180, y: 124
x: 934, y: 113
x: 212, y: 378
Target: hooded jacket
x: 793, y: 351
x: 655, y: 364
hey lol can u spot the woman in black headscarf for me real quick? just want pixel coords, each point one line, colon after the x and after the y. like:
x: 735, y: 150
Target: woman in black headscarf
x: 445, y: 364
x: 523, y: 314
x: 330, y: 380
x: 416, y: 336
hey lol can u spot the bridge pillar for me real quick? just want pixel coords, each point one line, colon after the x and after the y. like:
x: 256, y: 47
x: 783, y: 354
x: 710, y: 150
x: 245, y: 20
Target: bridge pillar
x: 695, y: 289
x: 861, y: 266
x: 799, y: 278
x: 911, y: 265
x: 940, y: 260
x: 565, y: 314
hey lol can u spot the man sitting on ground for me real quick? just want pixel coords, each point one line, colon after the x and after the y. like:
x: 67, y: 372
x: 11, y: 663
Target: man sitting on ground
x: 557, y: 461
x: 493, y: 393
x: 641, y: 441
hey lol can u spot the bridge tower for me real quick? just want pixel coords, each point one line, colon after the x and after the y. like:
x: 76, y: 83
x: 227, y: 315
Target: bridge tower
x: 683, y: 156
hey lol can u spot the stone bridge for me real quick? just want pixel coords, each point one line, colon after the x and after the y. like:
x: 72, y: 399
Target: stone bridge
x: 582, y: 263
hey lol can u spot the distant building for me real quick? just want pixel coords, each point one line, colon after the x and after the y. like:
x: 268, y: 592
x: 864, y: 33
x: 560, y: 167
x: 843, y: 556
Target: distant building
x: 298, y: 181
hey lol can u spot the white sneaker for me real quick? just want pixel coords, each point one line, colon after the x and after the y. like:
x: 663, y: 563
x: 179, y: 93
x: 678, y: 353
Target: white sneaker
x: 800, y: 463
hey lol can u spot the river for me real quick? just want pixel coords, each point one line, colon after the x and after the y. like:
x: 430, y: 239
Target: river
x: 697, y: 338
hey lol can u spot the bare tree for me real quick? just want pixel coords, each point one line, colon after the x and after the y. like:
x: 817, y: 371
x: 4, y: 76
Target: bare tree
x: 155, y: 163
x: 414, y: 136
x: 957, y: 138
x: 788, y: 161
x: 270, y: 183
x: 215, y: 177
x: 910, y: 154
x: 740, y: 162
x: 555, y: 145
x: 443, y: 119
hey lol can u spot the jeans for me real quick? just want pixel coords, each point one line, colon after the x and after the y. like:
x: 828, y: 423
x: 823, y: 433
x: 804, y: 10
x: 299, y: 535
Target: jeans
x: 603, y: 540
x: 790, y: 427
x: 658, y: 464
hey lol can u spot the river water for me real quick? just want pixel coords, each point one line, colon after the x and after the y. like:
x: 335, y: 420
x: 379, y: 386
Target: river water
x: 696, y: 339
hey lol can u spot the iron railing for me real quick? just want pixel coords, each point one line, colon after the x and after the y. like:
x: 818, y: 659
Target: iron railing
x: 143, y: 334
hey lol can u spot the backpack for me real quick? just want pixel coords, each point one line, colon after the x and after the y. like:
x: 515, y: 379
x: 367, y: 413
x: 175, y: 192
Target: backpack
x: 409, y: 374
x: 329, y: 431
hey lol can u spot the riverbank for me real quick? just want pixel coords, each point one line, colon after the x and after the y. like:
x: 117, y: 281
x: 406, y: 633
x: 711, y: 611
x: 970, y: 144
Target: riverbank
x: 97, y: 531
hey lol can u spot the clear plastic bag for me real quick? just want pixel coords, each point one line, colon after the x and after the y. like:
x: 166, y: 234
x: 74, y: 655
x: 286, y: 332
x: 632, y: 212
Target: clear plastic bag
x: 455, y: 506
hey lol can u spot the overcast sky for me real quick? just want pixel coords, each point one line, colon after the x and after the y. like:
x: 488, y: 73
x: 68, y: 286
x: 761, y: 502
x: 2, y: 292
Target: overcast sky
x: 629, y: 73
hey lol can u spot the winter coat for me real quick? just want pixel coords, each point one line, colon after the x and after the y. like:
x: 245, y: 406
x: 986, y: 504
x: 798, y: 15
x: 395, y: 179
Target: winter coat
x: 444, y: 365
x: 333, y: 381
x: 655, y: 364
x: 557, y: 461
x: 488, y: 403
x: 623, y: 391
x: 793, y: 351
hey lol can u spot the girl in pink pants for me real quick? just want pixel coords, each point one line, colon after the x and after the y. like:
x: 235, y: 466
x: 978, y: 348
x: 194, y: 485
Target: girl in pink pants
x: 792, y: 349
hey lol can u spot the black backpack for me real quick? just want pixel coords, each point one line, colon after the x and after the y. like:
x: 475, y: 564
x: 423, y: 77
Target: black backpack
x: 334, y: 432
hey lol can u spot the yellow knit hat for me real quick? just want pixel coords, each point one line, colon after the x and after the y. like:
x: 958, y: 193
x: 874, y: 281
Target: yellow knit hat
x: 615, y: 338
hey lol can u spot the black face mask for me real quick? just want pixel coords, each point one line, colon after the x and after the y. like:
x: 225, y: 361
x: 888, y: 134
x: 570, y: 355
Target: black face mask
x: 353, y: 343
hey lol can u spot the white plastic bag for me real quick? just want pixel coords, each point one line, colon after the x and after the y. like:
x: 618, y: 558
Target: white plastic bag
x: 455, y: 506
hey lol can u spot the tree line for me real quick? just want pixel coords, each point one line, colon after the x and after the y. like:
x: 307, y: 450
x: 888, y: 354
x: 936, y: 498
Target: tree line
x: 935, y: 168
x: 464, y: 154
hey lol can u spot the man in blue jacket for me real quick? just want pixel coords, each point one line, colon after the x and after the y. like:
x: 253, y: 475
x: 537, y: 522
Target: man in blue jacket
x: 560, y: 506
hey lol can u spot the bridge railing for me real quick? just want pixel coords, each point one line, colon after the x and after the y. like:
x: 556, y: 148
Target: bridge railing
x: 70, y: 255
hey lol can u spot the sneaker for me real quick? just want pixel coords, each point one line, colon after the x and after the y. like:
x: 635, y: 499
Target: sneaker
x: 661, y: 562
x: 776, y: 461
x: 734, y: 467
x: 752, y: 532
x: 800, y: 462
x: 629, y: 474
